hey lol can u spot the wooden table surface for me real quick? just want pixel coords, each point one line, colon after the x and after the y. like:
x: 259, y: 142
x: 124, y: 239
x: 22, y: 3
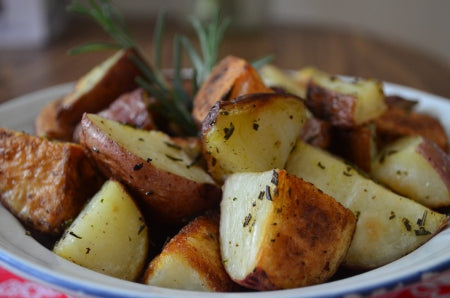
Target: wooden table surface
x: 336, y: 51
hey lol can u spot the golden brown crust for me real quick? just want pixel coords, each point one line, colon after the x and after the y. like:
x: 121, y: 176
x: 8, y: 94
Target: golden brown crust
x: 198, y: 244
x: 168, y: 197
x: 398, y: 122
x: 231, y: 78
x: 44, y: 183
x: 46, y: 124
x: 323, y: 231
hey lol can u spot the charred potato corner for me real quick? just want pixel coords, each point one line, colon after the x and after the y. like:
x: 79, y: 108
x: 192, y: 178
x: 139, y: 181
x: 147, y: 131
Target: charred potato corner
x: 254, y: 179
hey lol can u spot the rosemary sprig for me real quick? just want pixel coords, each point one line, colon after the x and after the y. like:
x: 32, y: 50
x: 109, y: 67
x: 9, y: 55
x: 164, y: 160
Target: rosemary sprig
x: 111, y: 21
x: 210, y: 36
x: 175, y: 103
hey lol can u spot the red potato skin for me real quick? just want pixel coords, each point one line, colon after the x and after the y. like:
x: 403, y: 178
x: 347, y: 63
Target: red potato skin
x: 437, y: 158
x: 230, y: 78
x: 331, y: 106
x: 165, y: 197
x: 316, y: 132
x: 119, y: 79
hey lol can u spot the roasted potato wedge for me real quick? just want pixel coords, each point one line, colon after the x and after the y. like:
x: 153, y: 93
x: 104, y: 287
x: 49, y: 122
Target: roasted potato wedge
x: 345, y: 103
x: 399, y: 122
x: 389, y: 225
x: 191, y: 260
x: 43, y: 183
x: 130, y: 108
x: 416, y: 168
x: 161, y: 175
x: 229, y: 79
x: 109, y: 236
x: 275, y: 77
x: 316, y: 132
x: 92, y: 93
x: 252, y: 133
x: 278, y: 231
x: 356, y: 144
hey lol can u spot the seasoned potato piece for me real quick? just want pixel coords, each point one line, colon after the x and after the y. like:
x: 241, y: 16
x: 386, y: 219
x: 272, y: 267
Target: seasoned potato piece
x: 356, y: 144
x: 44, y: 184
x: 398, y: 102
x: 109, y: 236
x: 344, y: 103
x: 191, y: 260
x: 273, y: 76
x: 389, y: 225
x: 416, y: 168
x: 159, y: 173
x: 398, y: 122
x: 46, y: 123
x: 252, y: 133
x: 92, y: 93
x: 278, y: 231
x: 130, y: 108
x: 316, y: 132
x: 229, y: 79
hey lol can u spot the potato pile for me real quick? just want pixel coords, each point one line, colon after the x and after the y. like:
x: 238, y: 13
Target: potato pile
x: 292, y: 176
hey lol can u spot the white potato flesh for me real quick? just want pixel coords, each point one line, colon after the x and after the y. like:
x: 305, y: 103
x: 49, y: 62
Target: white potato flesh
x: 275, y: 77
x: 109, y: 236
x: 234, y: 232
x: 89, y: 80
x: 417, y: 169
x: 175, y: 272
x: 389, y: 225
x: 155, y: 146
x: 254, y: 134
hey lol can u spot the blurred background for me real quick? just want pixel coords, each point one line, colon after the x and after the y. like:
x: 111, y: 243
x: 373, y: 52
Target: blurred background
x: 402, y: 41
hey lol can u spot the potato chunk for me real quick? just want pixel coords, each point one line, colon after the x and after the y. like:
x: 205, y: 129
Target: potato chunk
x: 109, y: 236
x: 157, y: 171
x: 344, y: 103
x: 92, y: 93
x: 43, y: 183
x: 400, y: 122
x: 278, y: 231
x: 230, y: 78
x: 416, y: 168
x: 252, y: 133
x: 389, y: 225
x: 191, y: 260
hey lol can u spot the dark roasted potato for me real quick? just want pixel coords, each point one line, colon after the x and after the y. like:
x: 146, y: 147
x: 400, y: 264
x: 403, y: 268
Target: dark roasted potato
x: 398, y: 122
x: 43, y: 183
x: 230, y: 78
x: 316, y: 132
x: 356, y: 144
